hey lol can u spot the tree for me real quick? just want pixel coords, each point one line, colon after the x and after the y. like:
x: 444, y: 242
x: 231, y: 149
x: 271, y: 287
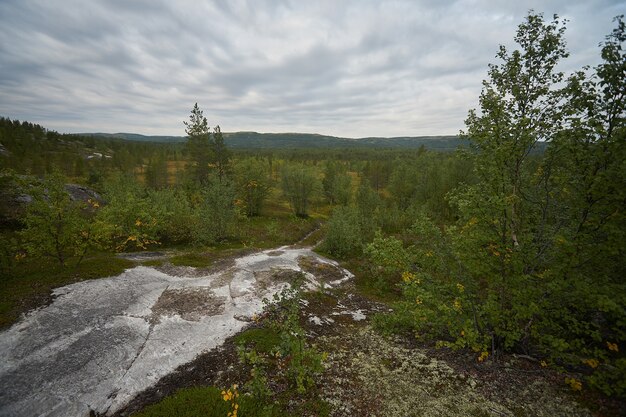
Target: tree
x: 343, y: 235
x: 216, y: 213
x: 508, y: 210
x: 253, y: 184
x: 221, y: 154
x: 590, y: 245
x: 299, y: 183
x: 535, y: 263
x: 56, y: 226
x: 156, y: 172
x: 337, y: 184
x: 199, y: 144
x: 129, y: 219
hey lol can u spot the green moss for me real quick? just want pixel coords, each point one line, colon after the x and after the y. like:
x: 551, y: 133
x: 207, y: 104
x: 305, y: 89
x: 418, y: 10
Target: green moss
x: 204, y: 402
x: 30, y: 281
x: 194, y: 259
x: 153, y: 262
x: 263, y: 340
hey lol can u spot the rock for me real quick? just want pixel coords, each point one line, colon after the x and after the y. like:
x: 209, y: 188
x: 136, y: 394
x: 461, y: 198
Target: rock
x: 82, y: 193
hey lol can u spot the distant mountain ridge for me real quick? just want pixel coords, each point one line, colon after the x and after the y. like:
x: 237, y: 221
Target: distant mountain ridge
x: 257, y: 140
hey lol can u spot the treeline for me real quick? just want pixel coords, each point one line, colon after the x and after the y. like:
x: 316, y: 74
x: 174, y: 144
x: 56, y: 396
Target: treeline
x: 29, y: 148
x: 196, y: 194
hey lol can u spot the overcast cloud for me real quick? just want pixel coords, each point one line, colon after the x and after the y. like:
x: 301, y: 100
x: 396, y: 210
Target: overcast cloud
x: 346, y: 68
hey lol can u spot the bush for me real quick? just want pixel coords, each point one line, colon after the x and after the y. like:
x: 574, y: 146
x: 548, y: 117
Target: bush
x: 343, y: 234
x: 215, y: 216
x: 56, y: 226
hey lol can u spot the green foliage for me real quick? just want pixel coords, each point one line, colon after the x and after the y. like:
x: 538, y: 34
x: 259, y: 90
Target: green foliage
x: 56, y: 226
x: 370, y: 208
x: 291, y: 362
x: 262, y: 339
x: 156, y: 172
x: 387, y: 259
x: 128, y: 221
x: 221, y: 155
x: 299, y: 184
x: 402, y: 184
x: 173, y: 213
x: 337, y: 184
x: 535, y: 261
x: 199, y: 144
x: 216, y: 213
x: 204, y: 402
x: 252, y: 178
x: 343, y: 234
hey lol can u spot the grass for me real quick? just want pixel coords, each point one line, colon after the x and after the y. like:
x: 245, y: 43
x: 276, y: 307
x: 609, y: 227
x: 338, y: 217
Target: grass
x: 371, y: 286
x: 29, y: 283
x: 263, y: 340
x: 195, y: 259
x: 204, y: 402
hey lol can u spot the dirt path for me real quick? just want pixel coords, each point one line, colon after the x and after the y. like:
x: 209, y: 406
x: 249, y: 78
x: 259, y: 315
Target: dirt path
x: 101, y: 342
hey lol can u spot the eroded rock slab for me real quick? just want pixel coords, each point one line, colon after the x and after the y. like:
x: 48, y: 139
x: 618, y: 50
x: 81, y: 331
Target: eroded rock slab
x: 101, y: 342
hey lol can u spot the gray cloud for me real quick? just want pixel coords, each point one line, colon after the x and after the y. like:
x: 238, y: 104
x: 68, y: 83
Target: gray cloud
x: 350, y: 68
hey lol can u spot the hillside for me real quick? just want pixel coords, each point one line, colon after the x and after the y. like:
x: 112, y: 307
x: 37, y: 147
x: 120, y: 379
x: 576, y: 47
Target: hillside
x: 305, y: 140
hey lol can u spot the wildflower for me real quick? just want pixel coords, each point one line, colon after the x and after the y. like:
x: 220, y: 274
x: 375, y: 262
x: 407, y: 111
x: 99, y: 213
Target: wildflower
x: 574, y: 384
x: 460, y: 287
x: 457, y: 304
x: 409, y: 277
x: 232, y: 395
x: 543, y: 364
x: 612, y: 346
x: 137, y: 222
x: 592, y: 362
x: 483, y: 355
x: 418, y: 301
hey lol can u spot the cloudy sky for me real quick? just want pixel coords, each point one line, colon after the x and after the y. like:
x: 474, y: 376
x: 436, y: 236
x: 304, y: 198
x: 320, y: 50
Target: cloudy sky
x: 347, y: 68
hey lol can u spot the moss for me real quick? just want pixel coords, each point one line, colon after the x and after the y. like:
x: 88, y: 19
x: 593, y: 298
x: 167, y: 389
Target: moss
x: 30, y: 282
x: 204, y: 402
x: 194, y: 259
x: 153, y: 262
x: 263, y: 340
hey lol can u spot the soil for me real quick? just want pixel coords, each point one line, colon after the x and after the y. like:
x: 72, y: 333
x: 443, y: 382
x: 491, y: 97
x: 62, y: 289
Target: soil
x: 189, y: 303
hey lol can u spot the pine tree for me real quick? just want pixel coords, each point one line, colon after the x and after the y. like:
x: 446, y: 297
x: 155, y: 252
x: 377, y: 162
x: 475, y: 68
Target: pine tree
x: 199, y: 145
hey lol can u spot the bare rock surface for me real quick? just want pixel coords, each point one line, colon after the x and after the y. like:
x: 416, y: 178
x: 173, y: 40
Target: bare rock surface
x: 103, y: 341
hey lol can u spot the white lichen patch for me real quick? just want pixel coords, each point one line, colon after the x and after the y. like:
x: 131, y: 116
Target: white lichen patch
x: 370, y: 375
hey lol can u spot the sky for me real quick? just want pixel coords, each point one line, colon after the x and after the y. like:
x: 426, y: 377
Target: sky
x: 345, y: 68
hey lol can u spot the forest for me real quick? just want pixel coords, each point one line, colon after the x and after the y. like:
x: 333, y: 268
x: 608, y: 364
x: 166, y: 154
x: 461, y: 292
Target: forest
x: 514, y: 243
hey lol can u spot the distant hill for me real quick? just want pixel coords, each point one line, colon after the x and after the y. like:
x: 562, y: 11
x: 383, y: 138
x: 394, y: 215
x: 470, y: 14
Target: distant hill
x: 136, y: 137
x: 257, y: 140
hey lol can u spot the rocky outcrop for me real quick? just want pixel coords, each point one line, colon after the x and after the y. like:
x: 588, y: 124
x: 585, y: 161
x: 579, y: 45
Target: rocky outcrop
x: 15, y: 196
x: 82, y: 193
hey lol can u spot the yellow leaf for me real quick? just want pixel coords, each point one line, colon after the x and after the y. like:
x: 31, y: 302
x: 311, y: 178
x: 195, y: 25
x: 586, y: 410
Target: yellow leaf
x: 612, y: 346
x: 592, y: 362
